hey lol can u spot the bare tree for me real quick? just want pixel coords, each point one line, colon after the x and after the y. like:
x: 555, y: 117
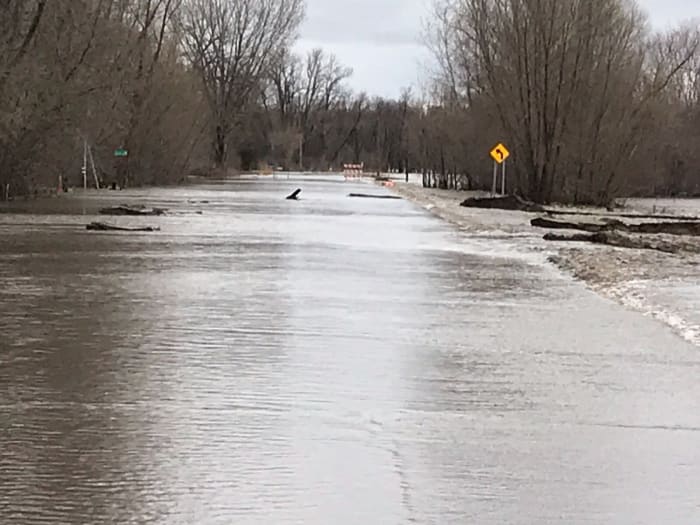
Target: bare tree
x: 152, y: 20
x: 304, y: 90
x: 284, y: 86
x: 667, y: 159
x: 231, y: 43
x: 19, y: 23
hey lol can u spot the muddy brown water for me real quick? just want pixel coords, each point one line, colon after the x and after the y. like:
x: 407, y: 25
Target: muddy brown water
x: 332, y: 360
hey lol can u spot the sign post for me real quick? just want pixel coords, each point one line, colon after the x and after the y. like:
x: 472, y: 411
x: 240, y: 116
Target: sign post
x: 503, y: 178
x: 495, y: 178
x: 122, y: 166
x: 499, y: 154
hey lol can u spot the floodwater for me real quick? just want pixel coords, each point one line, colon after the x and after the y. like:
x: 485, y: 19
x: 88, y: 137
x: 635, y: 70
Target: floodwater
x: 327, y: 361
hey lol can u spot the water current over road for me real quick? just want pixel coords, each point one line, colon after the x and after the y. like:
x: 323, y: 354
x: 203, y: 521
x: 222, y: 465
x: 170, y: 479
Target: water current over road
x: 327, y: 361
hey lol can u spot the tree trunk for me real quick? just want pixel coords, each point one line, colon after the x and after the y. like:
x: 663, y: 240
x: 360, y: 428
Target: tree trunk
x: 220, y: 152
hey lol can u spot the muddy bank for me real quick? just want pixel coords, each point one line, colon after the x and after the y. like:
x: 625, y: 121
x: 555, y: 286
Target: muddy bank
x: 507, y: 202
x: 627, y: 275
x: 446, y: 204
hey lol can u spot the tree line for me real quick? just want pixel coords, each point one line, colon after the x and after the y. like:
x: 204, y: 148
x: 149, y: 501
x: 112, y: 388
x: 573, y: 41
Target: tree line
x: 592, y: 103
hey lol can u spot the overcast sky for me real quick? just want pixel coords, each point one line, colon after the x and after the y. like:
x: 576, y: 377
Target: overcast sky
x: 381, y: 39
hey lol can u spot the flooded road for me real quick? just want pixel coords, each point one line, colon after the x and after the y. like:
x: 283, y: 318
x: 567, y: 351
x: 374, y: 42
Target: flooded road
x: 333, y: 360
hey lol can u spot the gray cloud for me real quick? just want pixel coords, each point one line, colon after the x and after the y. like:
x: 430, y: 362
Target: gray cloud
x: 378, y: 70
x: 380, y: 22
x: 381, y: 39
x: 666, y: 13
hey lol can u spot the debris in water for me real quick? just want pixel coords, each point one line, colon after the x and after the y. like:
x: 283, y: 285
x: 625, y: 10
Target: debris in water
x: 125, y: 209
x: 368, y: 196
x: 104, y: 227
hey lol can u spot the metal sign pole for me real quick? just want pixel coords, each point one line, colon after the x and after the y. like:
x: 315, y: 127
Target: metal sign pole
x: 495, y: 178
x: 503, y: 179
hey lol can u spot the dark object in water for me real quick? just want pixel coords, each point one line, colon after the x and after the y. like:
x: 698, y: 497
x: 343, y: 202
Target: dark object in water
x: 508, y: 202
x: 132, y: 210
x: 294, y: 196
x: 369, y: 196
x: 104, y: 227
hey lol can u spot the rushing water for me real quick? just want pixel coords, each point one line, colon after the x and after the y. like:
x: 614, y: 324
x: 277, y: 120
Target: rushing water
x: 332, y: 360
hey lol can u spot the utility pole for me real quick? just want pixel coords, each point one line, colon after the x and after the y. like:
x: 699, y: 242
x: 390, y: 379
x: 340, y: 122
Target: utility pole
x: 301, y: 152
x: 85, y: 161
x: 94, y: 168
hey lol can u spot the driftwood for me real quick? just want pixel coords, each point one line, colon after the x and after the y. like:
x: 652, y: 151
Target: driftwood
x: 132, y: 210
x: 623, y: 215
x: 670, y: 228
x: 369, y: 196
x: 294, y: 196
x: 625, y: 241
x: 576, y: 237
x: 508, y: 202
x: 104, y: 227
x: 591, y: 227
x: 515, y: 203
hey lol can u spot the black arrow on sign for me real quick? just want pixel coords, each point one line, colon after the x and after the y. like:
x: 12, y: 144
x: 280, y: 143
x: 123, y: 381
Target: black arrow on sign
x: 500, y: 153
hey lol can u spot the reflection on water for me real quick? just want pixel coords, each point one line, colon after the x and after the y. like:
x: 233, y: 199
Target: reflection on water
x: 327, y: 361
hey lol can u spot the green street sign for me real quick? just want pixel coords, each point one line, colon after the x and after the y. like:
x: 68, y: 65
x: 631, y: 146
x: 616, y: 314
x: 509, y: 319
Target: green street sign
x: 121, y: 152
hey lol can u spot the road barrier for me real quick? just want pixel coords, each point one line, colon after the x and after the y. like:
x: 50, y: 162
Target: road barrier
x: 353, y: 171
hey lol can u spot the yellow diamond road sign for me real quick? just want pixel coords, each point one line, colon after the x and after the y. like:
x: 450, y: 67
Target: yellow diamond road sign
x: 500, y: 153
